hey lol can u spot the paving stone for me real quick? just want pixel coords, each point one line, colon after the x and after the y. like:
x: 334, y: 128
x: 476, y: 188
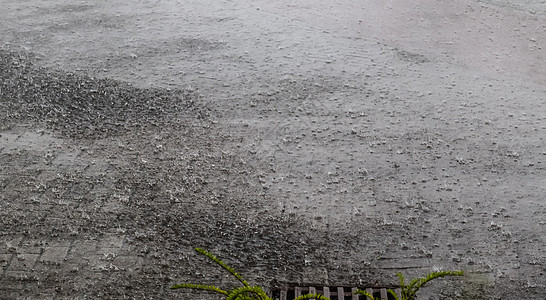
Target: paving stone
x: 78, y: 190
x: 129, y: 248
x: 47, y: 175
x: 27, y: 249
x: 99, y: 192
x: 4, y: 260
x: 109, y: 253
x: 101, y: 263
x: 111, y: 241
x: 4, y: 179
x: 18, y: 276
x: 129, y: 263
x: 34, y: 141
x: 68, y: 161
x: 10, y: 244
x: 10, y: 285
x: 66, y: 157
x: 112, y: 205
x: 83, y: 248
x: 7, y: 140
x: 41, y: 269
x: 32, y: 246
x: 54, y: 255
x: 23, y: 262
x: 97, y: 167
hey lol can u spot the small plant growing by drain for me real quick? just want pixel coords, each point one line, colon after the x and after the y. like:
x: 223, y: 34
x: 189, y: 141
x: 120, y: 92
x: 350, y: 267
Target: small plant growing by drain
x: 409, y: 290
x: 247, y: 292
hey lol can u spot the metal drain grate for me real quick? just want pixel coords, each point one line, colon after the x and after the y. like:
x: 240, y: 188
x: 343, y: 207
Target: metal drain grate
x: 334, y: 293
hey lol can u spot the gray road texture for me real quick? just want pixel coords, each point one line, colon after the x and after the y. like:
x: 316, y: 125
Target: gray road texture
x: 328, y: 142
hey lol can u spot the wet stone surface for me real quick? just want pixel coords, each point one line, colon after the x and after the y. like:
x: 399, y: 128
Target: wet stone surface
x: 330, y: 145
x: 86, y: 107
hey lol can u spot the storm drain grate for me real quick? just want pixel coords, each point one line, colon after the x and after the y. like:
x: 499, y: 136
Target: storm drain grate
x: 334, y: 293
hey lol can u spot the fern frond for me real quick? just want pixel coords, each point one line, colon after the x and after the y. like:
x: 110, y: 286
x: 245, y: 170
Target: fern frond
x: 431, y: 276
x: 203, y: 287
x: 417, y: 283
x: 239, y: 293
x: 362, y: 292
x: 401, y: 278
x: 393, y: 294
x: 222, y: 264
x: 312, y: 296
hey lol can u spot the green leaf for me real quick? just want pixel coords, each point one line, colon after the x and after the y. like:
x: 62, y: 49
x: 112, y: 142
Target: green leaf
x: 312, y: 296
x: 239, y: 293
x: 409, y: 291
x: 222, y: 264
x: 209, y: 288
x: 362, y: 292
x: 393, y: 294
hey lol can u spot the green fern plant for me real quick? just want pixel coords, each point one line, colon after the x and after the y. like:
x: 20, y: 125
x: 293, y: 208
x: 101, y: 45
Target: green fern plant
x: 247, y: 292
x: 409, y: 291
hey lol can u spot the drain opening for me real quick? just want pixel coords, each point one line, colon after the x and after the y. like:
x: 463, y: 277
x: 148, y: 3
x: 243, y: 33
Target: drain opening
x: 334, y: 293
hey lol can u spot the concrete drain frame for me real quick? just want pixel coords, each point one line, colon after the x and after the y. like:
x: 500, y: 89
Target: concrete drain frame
x: 333, y: 292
